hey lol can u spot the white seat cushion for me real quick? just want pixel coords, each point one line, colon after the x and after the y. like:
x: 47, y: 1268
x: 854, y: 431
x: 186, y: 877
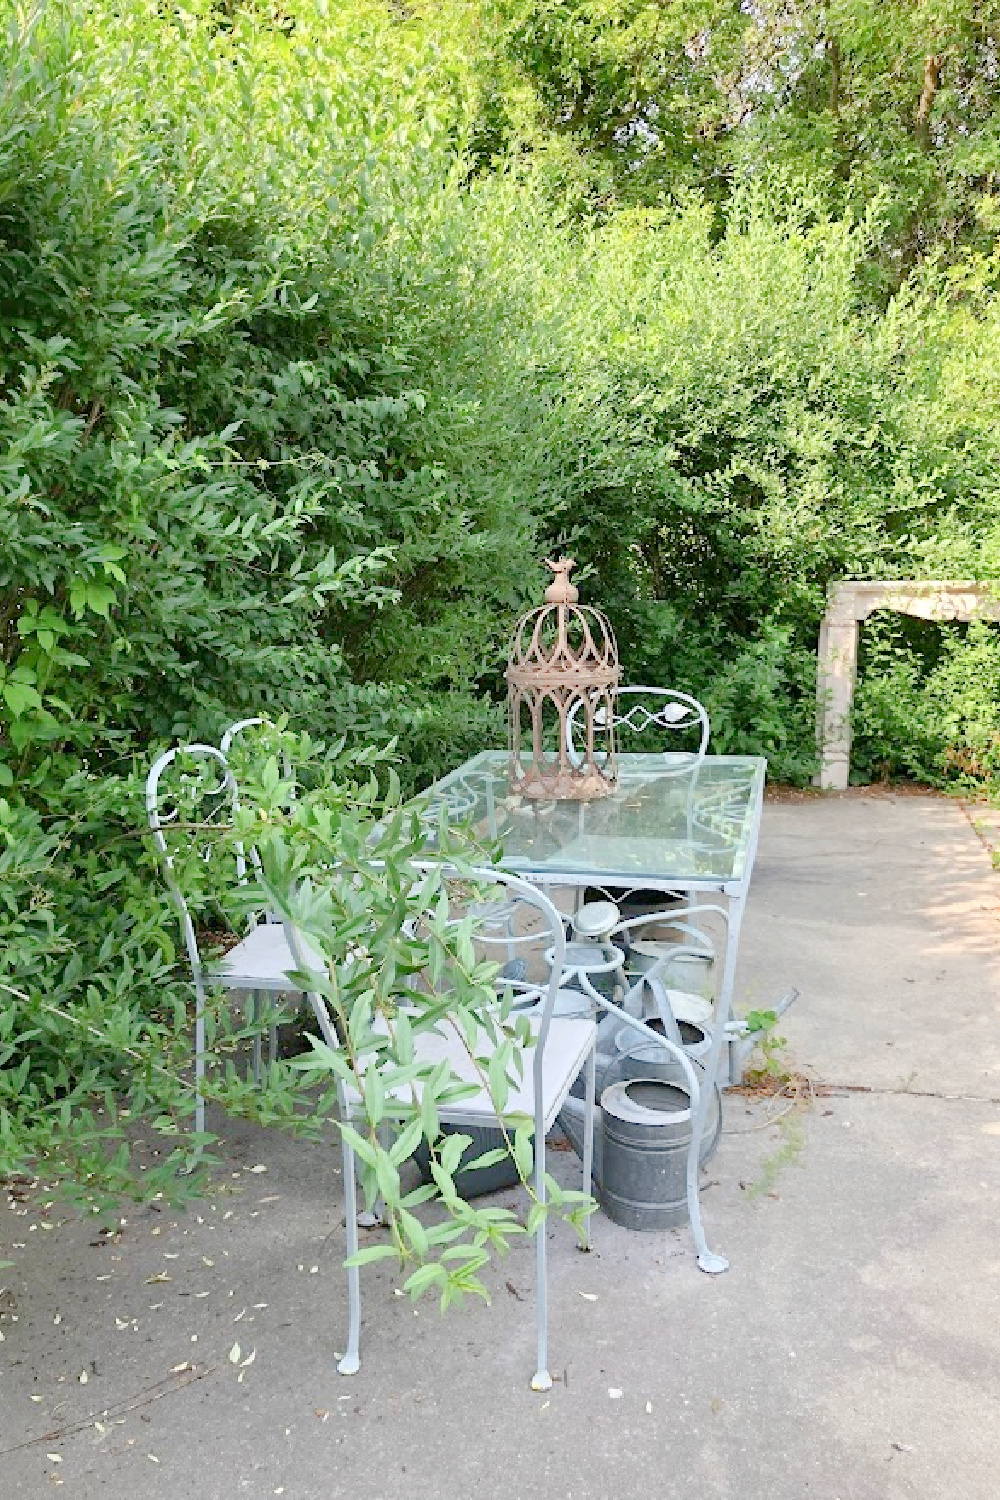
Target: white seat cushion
x: 260, y: 961
x: 566, y: 1048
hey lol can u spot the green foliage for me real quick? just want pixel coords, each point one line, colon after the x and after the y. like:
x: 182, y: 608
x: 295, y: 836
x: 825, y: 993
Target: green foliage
x: 862, y: 99
x: 317, y: 332
x: 763, y: 1025
x: 396, y: 958
x: 92, y: 1013
x: 929, y: 708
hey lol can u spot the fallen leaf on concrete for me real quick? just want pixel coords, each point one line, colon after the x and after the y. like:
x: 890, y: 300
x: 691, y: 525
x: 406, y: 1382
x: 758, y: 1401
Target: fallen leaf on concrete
x: 259, y: 1168
x: 588, y: 1296
x: 83, y: 1377
x: 54, y: 1458
x: 249, y: 1359
x: 160, y: 1276
x: 234, y: 1354
x: 321, y: 1413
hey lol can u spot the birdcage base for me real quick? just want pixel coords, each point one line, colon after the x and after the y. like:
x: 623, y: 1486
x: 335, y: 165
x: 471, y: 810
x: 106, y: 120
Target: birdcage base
x: 560, y: 784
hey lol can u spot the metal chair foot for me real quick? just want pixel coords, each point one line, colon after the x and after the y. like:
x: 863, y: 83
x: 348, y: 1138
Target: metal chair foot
x: 713, y: 1264
x: 349, y: 1365
x: 541, y: 1381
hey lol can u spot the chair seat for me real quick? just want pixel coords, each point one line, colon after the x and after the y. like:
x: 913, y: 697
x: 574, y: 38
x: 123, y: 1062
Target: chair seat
x: 260, y: 961
x: 566, y: 1047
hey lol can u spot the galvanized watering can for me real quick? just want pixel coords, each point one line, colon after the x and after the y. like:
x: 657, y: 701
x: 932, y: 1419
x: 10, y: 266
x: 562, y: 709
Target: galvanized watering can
x: 642, y: 1133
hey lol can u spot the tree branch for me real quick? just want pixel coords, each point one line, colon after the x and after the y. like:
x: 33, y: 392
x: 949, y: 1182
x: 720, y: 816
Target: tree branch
x: 932, y: 81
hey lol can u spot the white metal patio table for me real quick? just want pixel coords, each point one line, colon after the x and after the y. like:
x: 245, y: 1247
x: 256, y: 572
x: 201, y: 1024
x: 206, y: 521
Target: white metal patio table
x: 664, y: 828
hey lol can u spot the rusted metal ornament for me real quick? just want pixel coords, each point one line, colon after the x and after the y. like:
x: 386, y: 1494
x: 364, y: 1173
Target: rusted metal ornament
x: 563, y: 660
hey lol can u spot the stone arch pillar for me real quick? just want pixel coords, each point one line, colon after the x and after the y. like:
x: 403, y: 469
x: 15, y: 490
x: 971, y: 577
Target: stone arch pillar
x: 850, y: 603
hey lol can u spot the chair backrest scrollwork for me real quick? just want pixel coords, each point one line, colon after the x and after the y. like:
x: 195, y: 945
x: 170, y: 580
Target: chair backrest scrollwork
x: 638, y: 710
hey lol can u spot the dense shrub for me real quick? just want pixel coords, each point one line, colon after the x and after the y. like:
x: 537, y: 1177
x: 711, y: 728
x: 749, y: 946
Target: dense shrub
x: 300, y: 378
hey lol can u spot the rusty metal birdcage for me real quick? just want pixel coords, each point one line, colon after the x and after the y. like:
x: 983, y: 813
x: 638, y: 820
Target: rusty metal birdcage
x: 562, y: 674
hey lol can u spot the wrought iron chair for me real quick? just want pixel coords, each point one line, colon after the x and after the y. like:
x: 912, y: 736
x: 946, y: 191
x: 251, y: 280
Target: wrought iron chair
x: 203, y: 786
x: 649, y: 711
x: 654, y: 709
x: 563, y: 1045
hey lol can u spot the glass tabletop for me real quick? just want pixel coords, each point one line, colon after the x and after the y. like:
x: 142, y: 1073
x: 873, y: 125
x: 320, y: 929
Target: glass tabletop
x: 666, y: 823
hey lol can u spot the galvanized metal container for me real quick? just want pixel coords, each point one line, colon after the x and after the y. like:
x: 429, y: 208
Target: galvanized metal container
x: 696, y: 1039
x: 647, y: 1132
x: 502, y: 1174
x: 645, y: 1059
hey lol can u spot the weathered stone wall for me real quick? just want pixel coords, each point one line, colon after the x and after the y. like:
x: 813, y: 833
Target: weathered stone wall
x: 850, y: 603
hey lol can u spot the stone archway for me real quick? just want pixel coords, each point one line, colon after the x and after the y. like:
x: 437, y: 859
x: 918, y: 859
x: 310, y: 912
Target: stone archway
x: 850, y: 603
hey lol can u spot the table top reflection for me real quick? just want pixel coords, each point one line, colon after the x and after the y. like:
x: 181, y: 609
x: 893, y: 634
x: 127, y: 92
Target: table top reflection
x: 669, y: 823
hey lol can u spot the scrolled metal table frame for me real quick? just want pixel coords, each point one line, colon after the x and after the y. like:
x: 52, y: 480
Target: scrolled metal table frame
x: 721, y: 811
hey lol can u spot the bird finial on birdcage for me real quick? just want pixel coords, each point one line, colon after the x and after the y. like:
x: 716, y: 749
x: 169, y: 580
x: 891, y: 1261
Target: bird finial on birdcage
x: 560, y: 590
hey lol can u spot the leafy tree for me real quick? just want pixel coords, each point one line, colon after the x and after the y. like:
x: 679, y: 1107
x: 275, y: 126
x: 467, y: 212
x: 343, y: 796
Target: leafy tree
x: 861, y: 99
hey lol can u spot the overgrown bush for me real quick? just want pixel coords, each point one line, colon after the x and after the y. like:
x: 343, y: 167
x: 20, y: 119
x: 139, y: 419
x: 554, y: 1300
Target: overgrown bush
x: 301, y: 376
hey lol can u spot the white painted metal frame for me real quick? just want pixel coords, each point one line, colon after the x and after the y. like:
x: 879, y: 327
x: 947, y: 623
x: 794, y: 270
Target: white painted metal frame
x: 672, y: 712
x: 549, y: 875
x: 628, y: 1009
x: 259, y: 963
x: 563, y: 1047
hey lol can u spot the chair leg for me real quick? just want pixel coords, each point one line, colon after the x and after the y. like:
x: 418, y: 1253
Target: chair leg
x: 199, y: 1066
x: 350, y: 1363
x: 542, y: 1380
x: 708, y: 1260
x: 588, y: 1137
x: 272, y: 1045
x: 255, y: 1014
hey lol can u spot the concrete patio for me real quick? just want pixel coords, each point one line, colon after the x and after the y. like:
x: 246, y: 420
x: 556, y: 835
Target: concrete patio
x: 851, y: 1352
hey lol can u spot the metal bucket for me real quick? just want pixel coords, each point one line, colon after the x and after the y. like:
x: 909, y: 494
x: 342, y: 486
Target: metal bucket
x: 502, y: 1174
x: 647, y: 1060
x: 696, y: 1039
x: 647, y: 1132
